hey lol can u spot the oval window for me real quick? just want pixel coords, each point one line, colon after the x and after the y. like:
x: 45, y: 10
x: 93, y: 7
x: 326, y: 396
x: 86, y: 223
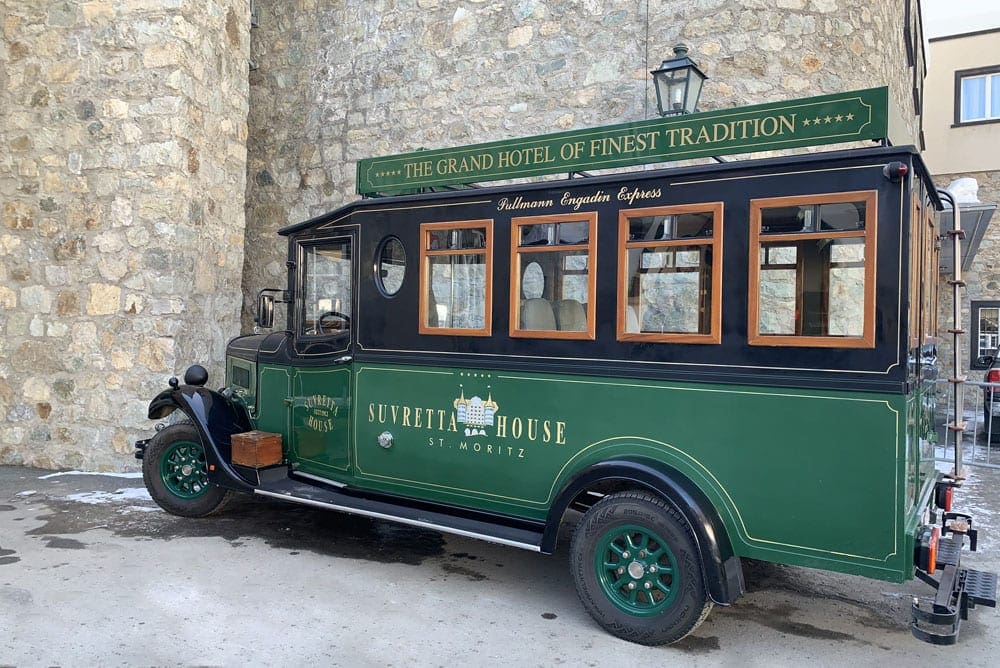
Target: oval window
x: 390, y: 266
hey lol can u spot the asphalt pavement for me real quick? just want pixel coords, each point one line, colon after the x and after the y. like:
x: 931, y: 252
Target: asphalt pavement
x: 93, y: 573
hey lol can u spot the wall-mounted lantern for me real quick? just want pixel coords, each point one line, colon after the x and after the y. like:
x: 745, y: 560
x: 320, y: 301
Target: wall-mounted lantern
x: 678, y: 84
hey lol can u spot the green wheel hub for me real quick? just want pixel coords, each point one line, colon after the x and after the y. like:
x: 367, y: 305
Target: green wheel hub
x: 636, y: 570
x: 183, y: 469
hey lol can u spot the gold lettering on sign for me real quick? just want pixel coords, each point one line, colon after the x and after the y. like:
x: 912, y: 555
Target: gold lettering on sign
x: 747, y: 128
x: 530, y: 429
x: 518, y: 203
x: 321, y: 411
x: 631, y: 195
x: 576, y: 201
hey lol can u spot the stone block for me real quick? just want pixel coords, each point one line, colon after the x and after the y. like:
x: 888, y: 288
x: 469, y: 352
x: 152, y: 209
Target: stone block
x: 104, y: 299
x: 157, y: 354
x: 8, y: 298
x: 63, y: 72
x: 19, y: 215
x: 36, y: 299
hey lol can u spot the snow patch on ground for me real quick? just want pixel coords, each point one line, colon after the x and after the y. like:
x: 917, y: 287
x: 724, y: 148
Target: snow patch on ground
x: 141, y: 509
x: 136, y: 474
x: 130, y: 494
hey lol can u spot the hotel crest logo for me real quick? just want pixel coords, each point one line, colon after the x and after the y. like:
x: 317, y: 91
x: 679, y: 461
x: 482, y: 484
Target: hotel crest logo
x: 475, y: 413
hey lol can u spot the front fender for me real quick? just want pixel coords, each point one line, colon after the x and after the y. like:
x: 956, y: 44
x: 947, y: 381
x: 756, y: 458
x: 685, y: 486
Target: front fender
x: 217, y: 418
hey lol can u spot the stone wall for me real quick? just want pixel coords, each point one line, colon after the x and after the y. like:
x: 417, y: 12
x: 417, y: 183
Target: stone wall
x: 342, y: 81
x: 982, y: 283
x: 122, y: 183
x: 130, y: 188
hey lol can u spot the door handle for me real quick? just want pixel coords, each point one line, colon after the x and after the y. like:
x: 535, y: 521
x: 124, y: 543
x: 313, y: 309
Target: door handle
x: 346, y: 359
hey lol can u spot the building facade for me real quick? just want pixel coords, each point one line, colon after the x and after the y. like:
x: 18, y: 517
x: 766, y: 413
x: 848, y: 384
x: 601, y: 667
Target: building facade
x: 156, y: 147
x: 962, y: 131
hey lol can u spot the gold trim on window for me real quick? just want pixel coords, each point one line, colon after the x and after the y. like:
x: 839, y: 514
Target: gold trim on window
x: 712, y: 244
x: 868, y: 237
x: 537, y: 251
x: 426, y: 258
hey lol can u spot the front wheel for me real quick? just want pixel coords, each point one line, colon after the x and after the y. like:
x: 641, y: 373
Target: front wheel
x: 637, y: 569
x: 176, y: 474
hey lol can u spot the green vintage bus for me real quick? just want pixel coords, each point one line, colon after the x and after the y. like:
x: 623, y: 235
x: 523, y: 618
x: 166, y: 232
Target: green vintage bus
x: 711, y: 363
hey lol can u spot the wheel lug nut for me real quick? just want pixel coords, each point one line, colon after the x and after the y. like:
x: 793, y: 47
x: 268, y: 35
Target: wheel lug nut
x: 620, y: 571
x: 631, y: 585
x: 625, y: 555
x: 642, y: 554
x: 653, y: 568
x: 647, y: 585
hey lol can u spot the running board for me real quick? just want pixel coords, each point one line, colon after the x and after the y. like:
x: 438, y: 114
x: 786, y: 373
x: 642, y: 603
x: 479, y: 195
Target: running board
x: 287, y: 489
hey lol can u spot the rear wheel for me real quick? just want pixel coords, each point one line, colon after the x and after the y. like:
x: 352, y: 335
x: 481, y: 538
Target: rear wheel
x: 637, y: 569
x: 176, y: 473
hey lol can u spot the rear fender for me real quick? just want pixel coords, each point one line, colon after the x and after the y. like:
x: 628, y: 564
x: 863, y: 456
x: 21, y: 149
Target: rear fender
x: 723, y: 570
x: 216, y: 418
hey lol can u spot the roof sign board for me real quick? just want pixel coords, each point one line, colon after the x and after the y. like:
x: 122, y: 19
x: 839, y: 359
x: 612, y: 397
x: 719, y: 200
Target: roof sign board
x: 853, y: 116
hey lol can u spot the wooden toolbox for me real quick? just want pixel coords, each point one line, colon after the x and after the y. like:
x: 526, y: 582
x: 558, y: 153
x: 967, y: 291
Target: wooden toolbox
x: 257, y: 449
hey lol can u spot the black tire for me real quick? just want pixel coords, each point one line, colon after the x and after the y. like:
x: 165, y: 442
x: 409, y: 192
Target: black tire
x: 637, y: 570
x: 176, y: 475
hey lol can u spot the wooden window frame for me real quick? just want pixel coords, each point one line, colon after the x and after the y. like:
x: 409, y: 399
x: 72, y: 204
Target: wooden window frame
x: 927, y: 290
x: 517, y: 251
x: 714, y: 335
x: 914, y: 317
x: 869, y: 234
x: 934, y: 275
x: 425, y: 253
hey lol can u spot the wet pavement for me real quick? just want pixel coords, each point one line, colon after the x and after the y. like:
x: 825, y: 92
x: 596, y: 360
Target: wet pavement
x: 93, y: 573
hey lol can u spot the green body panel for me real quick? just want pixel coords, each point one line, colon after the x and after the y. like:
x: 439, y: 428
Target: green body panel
x: 802, y: 477
x: 320, y: 420
x: 853, y: 116
x: 919, y: 464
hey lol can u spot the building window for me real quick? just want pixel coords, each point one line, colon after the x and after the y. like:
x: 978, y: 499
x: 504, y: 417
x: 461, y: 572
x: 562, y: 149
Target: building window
x: 812, y: 271
x: 977, y: 95
x: 554, y: 268
x: 985, y: 330
x: 456, y: 278
x: 670, y: 274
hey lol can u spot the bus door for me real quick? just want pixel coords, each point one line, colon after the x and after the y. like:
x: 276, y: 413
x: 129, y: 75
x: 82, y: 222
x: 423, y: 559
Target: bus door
x: 321, y: 380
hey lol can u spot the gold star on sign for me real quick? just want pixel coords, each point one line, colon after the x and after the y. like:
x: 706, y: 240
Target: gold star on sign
x: 827, y: 119
x: 806, y: 122
x: 816, y: 121
x: 839, y: 117
x: 850, y: 117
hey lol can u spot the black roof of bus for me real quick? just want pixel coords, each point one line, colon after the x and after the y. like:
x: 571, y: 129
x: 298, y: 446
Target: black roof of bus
x: 618, y: 176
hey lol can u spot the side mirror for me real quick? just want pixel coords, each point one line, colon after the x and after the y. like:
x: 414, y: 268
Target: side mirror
x: 265, y: 311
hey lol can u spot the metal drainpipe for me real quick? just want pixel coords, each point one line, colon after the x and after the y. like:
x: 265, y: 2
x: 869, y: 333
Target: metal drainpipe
x: 957, y: 380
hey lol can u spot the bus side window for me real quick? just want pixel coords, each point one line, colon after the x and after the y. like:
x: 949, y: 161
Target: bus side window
x: 456, y: 278
x: 670, y: 274
x: 553, y: 266
x: 812, y: 271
